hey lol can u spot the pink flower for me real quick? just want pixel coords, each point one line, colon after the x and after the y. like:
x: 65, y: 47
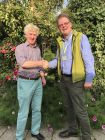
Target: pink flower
x: 50, y: 129
x: 14, y: 77
x: 15, y: 72
x: 8, y: 78
x: 94, y: 118
x: 103, y: 126
x: 3, y: 51
x: 13, y: 48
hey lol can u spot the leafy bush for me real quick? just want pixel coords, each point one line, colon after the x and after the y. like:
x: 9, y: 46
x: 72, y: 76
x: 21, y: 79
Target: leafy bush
x: 52, y: 104
x: 8, y: 103
x: 8, y: 70
x: 88, y: 16
x: 12, y: 22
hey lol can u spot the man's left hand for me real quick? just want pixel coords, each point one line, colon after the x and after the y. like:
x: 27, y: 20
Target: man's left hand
x: 87, y: 85
x: 43, y: 81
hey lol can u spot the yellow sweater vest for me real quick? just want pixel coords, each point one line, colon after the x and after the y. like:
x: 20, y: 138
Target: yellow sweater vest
x: 78, y: 70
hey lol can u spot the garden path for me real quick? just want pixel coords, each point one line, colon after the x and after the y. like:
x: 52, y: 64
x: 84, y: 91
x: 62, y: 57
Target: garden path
x: 8, y: 133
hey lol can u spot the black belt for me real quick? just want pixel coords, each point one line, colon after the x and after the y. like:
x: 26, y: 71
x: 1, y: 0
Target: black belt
x: 67, y: 75
x: 28, y: 78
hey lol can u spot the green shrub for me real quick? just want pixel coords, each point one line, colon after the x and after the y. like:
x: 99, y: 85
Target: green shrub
x: 8, y: 103
x: 53, y: 111
x: 87, y: 16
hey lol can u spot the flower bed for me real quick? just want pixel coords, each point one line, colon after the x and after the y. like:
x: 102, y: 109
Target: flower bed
x: 8, y: 67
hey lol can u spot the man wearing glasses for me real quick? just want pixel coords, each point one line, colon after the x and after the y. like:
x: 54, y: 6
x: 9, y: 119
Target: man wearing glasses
x: 76, y: 70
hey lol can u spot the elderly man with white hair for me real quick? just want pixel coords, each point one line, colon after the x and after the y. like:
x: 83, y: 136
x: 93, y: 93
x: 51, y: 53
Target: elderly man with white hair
x: 29, y: 84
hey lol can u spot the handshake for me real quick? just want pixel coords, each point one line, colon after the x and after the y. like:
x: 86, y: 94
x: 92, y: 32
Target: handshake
x: 45, y: 64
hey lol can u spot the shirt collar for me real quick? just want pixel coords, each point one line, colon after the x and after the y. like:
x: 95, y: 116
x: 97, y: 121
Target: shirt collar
x: 27, y: 44
x: 68, y: 37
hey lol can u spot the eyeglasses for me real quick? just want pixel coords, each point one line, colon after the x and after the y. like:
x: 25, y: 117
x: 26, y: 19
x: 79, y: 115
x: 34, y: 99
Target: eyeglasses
x: 64, y: 24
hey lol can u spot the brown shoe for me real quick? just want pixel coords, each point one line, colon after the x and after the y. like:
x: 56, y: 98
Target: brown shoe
x: 67, y: 134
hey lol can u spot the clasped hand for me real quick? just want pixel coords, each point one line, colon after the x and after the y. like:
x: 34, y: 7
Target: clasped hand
x: 45, y: 64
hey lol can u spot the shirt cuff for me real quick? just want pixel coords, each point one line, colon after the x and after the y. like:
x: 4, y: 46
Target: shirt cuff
x: 50, y: 64
x: 89, y: 77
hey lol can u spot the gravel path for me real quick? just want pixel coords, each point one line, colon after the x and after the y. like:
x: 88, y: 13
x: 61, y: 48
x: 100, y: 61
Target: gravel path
x: 8, y: 133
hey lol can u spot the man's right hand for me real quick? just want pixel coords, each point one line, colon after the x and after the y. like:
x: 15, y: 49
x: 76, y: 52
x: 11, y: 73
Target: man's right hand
x: 45, y: 64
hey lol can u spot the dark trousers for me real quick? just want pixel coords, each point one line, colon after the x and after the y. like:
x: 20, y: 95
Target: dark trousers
x: 74, y: 101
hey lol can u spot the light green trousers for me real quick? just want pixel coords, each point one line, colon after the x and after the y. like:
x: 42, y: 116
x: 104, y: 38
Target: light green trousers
x: 29, y: 93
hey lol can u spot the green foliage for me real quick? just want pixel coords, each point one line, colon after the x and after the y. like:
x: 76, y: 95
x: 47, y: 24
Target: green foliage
x: 8, y: 103
x: 53, y: 111
x: 53, y: 102
x: 51, y: 106
x: 7, y: 61
x: 89, y: 16
x: 13, y: 17
x: 95, y: 109
x: 11, y: 21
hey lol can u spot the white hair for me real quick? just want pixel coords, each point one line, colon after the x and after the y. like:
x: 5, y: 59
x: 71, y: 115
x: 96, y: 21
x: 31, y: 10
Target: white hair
x: 31, y: 27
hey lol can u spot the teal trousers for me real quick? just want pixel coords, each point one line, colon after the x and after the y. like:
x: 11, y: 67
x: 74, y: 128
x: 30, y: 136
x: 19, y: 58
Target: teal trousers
x: 74, y: 101
x: 29, y: 92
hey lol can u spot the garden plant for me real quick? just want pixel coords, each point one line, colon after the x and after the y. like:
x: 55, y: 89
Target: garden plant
x: 88, y: 17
